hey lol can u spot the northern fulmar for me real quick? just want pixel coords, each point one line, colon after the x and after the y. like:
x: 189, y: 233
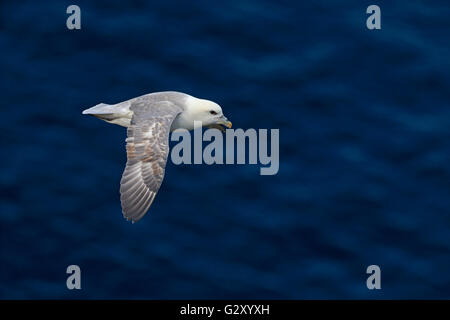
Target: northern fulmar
x: 149, y: 119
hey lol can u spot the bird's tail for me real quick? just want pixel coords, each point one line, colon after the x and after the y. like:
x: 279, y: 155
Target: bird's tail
x: 98, y: 109
x: 110, y: 113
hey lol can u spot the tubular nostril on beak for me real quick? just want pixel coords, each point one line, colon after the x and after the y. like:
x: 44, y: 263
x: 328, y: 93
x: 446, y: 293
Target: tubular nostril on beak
x: 224, y: 121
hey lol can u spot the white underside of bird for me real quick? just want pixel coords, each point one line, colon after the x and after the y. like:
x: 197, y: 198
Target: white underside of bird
x: 149, y: 119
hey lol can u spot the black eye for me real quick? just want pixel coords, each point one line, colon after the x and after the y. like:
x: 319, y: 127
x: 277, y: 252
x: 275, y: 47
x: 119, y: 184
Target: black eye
x: 213, y: 112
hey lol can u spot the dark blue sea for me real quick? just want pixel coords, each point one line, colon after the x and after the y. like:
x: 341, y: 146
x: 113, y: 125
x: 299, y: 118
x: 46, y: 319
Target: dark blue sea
x: 364, y: 174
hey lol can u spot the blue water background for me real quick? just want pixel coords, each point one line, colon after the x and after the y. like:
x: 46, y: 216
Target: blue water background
x: 364, y: 119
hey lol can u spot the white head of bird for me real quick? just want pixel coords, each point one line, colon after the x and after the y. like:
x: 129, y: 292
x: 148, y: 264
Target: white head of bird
x: 206, y: 111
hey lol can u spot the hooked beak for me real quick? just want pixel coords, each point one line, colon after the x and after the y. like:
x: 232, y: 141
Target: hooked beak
x: 224, y: 121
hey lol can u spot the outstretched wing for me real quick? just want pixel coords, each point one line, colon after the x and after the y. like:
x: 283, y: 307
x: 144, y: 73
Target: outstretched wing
x: 147, y: 151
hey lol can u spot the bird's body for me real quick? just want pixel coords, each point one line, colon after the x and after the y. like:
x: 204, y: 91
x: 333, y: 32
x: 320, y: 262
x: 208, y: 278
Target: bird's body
x: 149, y: 119
x: 121, y: 113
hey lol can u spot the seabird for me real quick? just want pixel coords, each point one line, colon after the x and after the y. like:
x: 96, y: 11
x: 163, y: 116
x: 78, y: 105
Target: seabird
x: 149, y: 119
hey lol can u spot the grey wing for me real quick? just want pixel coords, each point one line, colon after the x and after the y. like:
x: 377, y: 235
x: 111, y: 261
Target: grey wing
x: 147, y: 151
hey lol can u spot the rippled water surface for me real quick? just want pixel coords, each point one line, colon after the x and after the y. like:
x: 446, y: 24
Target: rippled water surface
x: 364, y: 175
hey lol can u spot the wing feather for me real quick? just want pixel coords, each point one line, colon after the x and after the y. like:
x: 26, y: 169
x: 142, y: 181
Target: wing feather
x: 147, y: 146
